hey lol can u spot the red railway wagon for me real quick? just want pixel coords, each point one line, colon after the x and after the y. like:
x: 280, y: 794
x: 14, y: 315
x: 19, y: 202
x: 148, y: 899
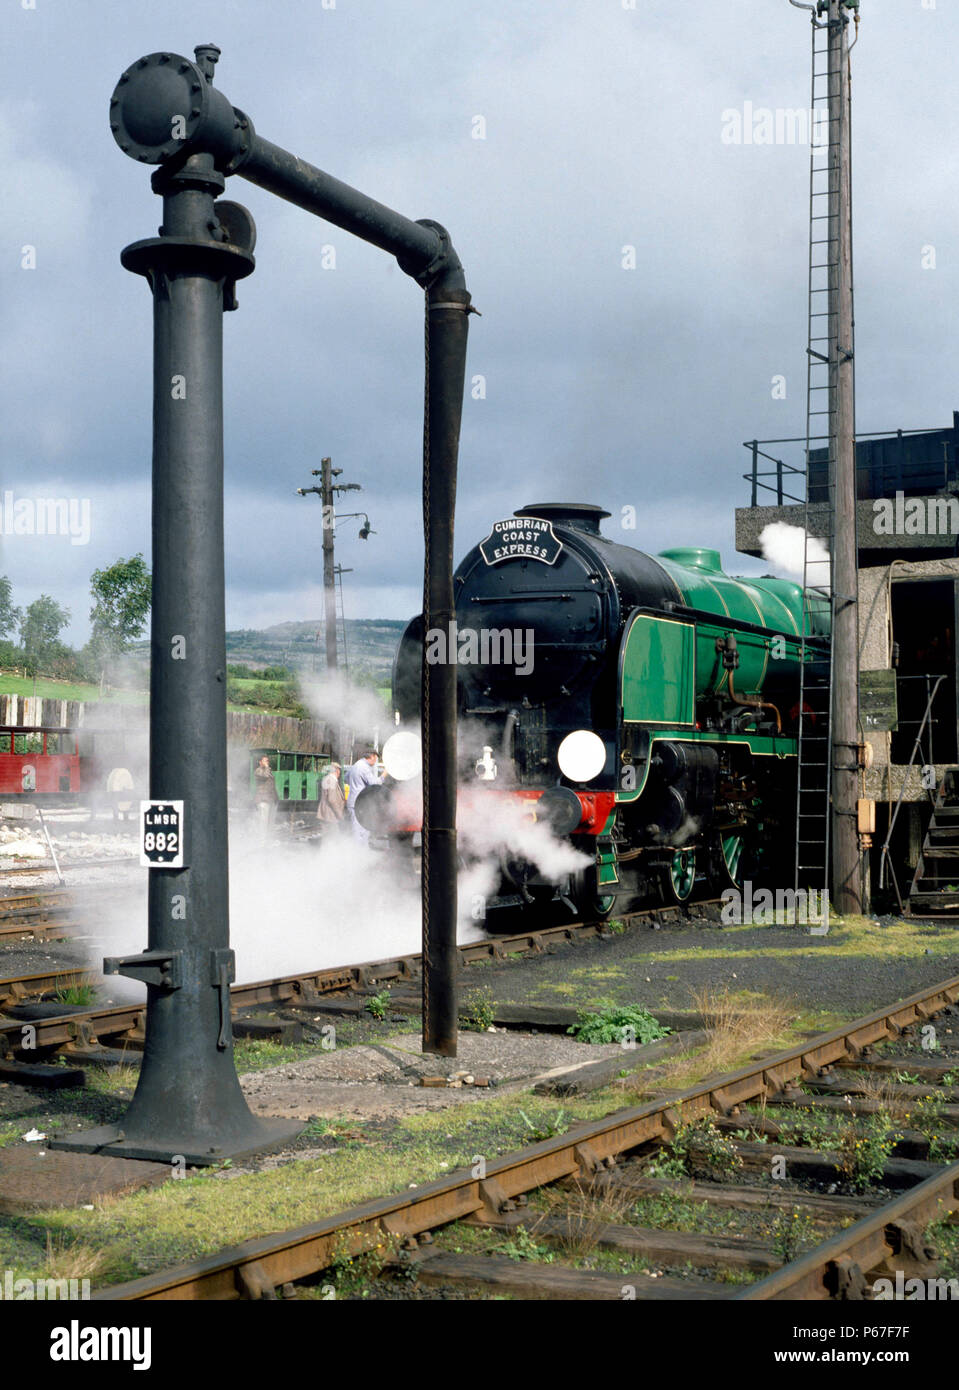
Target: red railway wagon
x: 40, y: 763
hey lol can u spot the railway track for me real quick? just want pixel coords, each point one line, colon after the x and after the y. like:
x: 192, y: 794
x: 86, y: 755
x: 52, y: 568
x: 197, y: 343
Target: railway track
x: 37, y: 916
x: 46, y: 867
x: 518, y: 1211
x: 45, y: 913
x: 85, y: 1031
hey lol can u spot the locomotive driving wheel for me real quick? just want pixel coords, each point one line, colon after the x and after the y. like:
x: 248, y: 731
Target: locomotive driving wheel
x: 727, y: 859
x: 678, y: 876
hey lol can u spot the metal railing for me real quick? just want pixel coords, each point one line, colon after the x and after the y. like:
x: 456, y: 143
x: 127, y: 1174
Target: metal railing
x: 930, y: 470
x: 885, y: 857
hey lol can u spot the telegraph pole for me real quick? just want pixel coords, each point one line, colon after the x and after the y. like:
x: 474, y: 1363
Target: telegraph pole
x: 847, y: 873
x: 329, y: 577
x: 326, y: 492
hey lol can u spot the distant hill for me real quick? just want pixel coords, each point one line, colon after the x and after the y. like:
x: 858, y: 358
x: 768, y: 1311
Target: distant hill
x: 370, y: 647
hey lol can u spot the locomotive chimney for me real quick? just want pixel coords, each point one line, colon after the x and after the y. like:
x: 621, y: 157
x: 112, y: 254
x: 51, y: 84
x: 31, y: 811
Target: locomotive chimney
x: 581, y: 515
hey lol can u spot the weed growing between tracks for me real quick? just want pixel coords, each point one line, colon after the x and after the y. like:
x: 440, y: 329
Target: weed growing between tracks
x: 944, y: 1236
x: 523, y: 1243
x: 79, y: 996
x: 569, y: 1227
x: 378, y: 1005
x: 863, y: 1148
x: 697, y: 1150
x: 791, y: 1233
x: 679, y: 1210
x: 801, y: 1128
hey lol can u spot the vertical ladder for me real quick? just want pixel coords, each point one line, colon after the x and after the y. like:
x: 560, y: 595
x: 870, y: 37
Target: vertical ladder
x: 813, y: 783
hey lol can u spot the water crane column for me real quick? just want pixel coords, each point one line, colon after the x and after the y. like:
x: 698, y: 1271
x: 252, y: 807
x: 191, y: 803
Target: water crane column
x: 166, y: 111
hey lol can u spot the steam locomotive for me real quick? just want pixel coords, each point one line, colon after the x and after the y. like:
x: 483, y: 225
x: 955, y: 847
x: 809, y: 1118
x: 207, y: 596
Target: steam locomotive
x: 645, y: 707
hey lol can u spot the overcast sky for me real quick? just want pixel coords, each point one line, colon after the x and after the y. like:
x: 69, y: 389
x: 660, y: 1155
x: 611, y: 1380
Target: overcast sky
x: 603, y: 384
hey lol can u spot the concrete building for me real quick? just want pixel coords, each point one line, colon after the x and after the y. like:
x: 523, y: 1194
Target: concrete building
x: 908, y: 542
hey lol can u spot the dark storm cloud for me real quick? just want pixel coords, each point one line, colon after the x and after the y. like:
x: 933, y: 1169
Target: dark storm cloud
x: 603, y: 131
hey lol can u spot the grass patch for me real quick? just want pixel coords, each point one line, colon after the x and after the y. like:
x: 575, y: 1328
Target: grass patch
x: 524, y: 1243
x: 112, y: 1081
x: 582, y: 1213
x: 561, y: 987
x: 80, y: 995
x: 73, y: 1259
x: 185, y: 1219
x: 47, y: 689
x: 858, y: 936
x: 257, y: 1054
x: 548, y: 1129
x: 737, y: 1028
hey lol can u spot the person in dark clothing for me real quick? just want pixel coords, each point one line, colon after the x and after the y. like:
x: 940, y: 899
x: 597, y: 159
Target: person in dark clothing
x: 265, y: 796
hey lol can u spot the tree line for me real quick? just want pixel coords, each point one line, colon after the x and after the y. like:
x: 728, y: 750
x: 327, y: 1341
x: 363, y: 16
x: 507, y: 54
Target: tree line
x: 30, y: 636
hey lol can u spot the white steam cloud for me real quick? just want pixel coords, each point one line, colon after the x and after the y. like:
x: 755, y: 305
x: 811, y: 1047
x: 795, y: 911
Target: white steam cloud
x: 355, y: 714
x: 784, y: 547
x: 296, y: 907
x: 304, y: 905
x: 490, y: 826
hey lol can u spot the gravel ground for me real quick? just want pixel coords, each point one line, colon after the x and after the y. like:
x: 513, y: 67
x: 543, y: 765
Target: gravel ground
x: 35, y: 957
x: 384, y: 1080
x: 662, y: 968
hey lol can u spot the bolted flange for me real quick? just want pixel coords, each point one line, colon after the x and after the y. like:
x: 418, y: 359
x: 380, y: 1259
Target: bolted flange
x: 164, y: 105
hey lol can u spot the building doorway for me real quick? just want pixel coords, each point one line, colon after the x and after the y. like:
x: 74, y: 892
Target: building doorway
x: 924, y: 629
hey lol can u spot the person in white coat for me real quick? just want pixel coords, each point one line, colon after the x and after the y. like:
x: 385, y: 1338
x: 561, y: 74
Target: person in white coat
x: 362, y: 774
